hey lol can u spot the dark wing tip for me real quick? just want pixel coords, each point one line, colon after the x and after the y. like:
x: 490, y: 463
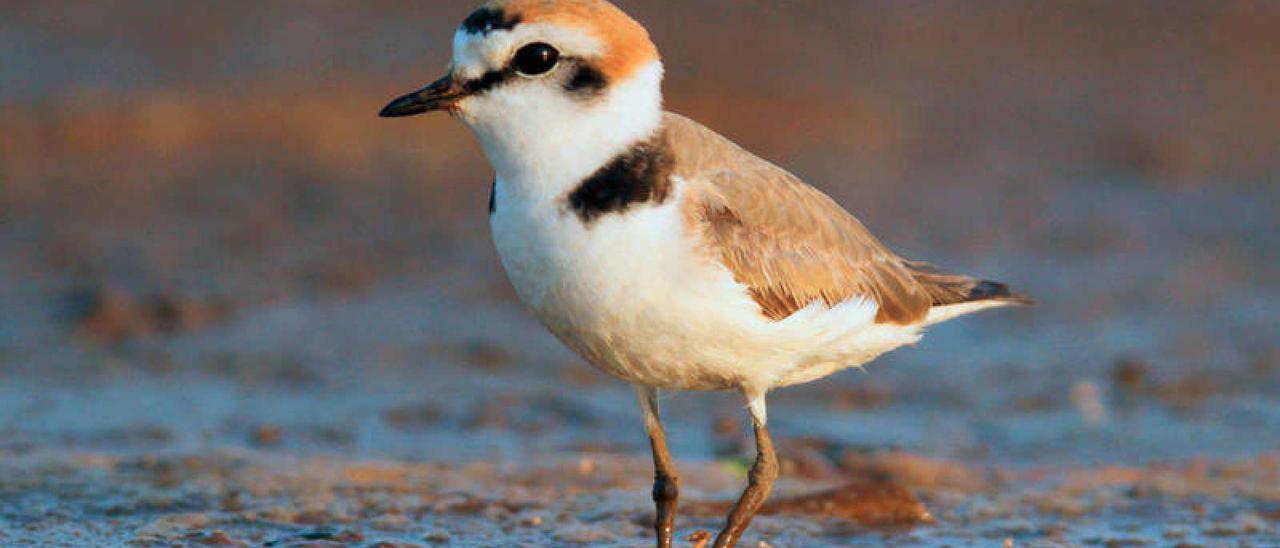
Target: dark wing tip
x: 947, y: 289
x: 995, y: 291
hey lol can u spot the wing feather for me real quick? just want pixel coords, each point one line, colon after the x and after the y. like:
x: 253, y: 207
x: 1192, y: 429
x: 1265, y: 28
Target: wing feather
x: 787, y: 242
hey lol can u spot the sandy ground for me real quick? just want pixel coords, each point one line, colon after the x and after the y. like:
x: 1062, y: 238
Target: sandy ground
x: 241, y: 498
x: 431, y: 409
x: 379, y: 418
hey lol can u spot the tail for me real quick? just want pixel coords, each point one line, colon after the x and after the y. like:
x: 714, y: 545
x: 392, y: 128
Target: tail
x: 956, y: 295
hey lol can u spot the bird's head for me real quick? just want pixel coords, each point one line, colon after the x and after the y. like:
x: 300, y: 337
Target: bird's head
x: 533, y: 77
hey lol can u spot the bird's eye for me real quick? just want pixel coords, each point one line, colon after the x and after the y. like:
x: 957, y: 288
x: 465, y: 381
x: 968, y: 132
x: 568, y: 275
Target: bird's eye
x: 535, y: 59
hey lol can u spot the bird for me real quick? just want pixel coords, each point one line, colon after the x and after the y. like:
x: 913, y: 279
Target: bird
x: 657, y: 249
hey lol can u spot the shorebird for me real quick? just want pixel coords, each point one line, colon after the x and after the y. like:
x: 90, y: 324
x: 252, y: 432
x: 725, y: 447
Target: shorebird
x: 655, y: 248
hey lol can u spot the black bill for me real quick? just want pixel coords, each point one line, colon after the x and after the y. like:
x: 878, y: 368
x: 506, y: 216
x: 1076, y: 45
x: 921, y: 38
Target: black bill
x: 443, y: 94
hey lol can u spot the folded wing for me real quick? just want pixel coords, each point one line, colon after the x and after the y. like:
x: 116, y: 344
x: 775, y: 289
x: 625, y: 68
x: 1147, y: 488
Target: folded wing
x: 792, y: 246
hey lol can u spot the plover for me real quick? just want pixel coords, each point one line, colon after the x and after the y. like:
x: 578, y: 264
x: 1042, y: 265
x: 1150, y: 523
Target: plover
x: 658, y: 250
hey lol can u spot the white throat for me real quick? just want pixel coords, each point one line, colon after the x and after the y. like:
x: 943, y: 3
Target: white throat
x: 542, y: 141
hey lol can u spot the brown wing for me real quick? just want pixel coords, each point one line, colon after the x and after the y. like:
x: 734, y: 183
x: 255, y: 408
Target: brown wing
x: 790, y: 244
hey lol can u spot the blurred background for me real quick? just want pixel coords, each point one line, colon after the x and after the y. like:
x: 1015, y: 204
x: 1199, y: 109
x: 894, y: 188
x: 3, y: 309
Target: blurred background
x: 217, y: 263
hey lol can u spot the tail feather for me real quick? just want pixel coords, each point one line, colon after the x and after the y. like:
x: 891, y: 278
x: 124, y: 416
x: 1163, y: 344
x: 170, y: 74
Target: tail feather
x: 956, y: 295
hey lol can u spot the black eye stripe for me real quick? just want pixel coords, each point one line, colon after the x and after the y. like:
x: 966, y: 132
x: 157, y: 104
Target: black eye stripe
x: 587, y: 80
x: 489, y: 80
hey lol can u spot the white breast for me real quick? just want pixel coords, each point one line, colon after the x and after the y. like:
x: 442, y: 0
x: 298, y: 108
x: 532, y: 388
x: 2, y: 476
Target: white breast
x: 623, y: 291
x: 631, y: 294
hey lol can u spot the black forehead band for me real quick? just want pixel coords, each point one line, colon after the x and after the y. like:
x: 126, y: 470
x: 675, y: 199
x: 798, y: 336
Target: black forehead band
x: 487, y: 20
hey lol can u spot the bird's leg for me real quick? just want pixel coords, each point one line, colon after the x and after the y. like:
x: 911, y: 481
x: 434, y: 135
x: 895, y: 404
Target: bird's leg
x: 666, y: 489
x: 761, y: 479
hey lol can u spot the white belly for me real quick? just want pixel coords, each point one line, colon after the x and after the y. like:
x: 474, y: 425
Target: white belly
x: 630, y: 293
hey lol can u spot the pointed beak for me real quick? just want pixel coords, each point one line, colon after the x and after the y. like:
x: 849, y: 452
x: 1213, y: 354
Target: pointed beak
x: 443, y: 94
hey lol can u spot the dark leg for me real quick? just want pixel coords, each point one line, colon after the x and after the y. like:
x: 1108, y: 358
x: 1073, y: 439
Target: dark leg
x: 666, y: 488
x: 761, y: 480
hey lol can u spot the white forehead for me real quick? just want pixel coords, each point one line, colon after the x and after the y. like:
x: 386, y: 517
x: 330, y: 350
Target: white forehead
x: 477, y: 53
